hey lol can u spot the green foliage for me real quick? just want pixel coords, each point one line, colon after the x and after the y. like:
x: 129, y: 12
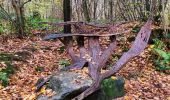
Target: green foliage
x: 4, y: 78
x: 5, y: 73
x: 1, y: 29
x: 8, y: 70
x: 136, y: 29
x: 41, y: 6
x: 61, y: 49
x: 159, y: 44
x: 5, y: 27
x: 64, y: 63
x: 4, y: 15
x: 163, y: 61
x: 113, y: 88
x: 161, y: 56
x: 100, y: 21
x: 7, y: 21
x: 167, y: 35
x: 5, y: 57
x: 33, y: 22
x: 50, y: 19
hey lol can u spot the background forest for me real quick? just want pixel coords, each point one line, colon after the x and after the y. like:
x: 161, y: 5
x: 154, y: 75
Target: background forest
x: 100, y: 11
x: 24, y: 57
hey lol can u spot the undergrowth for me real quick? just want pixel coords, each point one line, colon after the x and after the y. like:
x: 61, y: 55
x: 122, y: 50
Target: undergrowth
x: 7, y: 68
x: 161, y: 55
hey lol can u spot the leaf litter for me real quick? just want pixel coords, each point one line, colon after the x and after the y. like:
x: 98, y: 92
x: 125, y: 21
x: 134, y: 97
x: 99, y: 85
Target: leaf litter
x: 142, y: 81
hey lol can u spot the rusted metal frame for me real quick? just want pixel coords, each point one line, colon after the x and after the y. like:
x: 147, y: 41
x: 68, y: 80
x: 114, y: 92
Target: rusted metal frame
x: 79, y: 64
x: 95, y: 66
x: 94, y: 52
x: 138, y: 46
x: 83, y: 51
x: 70, y: 50
x: 106, y: 54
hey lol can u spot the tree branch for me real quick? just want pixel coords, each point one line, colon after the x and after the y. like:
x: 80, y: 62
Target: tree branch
x: 25, y: 3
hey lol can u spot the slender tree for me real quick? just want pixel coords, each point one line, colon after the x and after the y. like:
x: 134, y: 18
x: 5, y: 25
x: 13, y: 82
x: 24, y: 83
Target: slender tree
x: 111, y: 10
x: 147, y: 4
x: 85, y: 10
x: 18, y: 6
x: 67, y: 17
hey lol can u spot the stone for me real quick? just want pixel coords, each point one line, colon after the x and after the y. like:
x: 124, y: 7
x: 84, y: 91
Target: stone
x: 67, y: 85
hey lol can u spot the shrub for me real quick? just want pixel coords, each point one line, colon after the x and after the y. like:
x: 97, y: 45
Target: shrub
x: 161, y: 56
x: 8, y: 70
x: 64, y: 63
x: 163, y: 60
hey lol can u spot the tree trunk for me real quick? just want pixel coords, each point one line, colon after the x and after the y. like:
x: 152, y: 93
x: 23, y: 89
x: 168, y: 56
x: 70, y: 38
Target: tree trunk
x: 111, y: 10
x: 67, y: 17
x: 147, y: 7
x: 19, y: 11
x: 67, y: 29
x: 20, y: 19
x: 85, y: 10
x: 95, y: 9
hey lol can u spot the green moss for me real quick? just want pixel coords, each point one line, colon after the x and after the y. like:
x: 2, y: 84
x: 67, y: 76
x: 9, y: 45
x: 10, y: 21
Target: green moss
x: 113, y: 88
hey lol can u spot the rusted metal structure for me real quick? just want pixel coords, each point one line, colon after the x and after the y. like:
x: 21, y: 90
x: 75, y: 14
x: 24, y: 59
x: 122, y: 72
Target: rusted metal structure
x: 93, y: 55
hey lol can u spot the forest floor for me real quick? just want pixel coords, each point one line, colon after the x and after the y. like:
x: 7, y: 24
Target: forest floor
x: 42, y: 58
